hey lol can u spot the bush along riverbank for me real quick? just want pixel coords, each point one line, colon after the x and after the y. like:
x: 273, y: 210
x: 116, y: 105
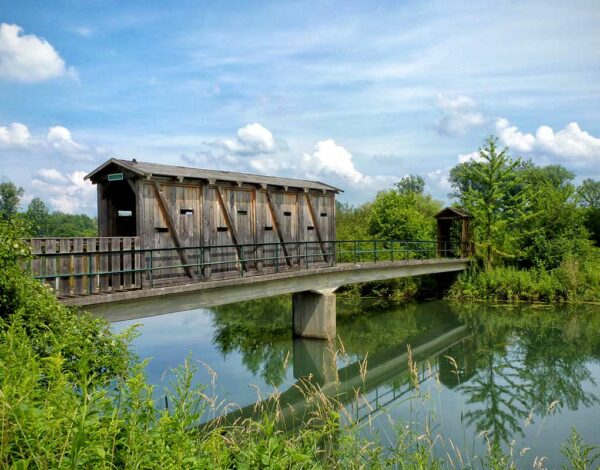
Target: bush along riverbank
x: 572, y: 281
x: 72, y: 395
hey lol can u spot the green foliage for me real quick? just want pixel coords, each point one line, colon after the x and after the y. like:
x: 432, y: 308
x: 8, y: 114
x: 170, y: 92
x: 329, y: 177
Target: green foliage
x: 581, y: 456
x: 589, y: 193
x: 572, y: 281
x: 550, y: 225
x: 38, y: 216
x: 70, y: 225
x: 405, y: 215
x: 589, y: 198
x: 54, y: 330
x: 10, y: 196
x: 350, y: 221
x: 411, y: 184
x: 488, y: 190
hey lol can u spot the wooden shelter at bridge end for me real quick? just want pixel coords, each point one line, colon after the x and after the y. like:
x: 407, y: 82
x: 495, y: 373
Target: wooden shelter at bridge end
x: 454, y: 232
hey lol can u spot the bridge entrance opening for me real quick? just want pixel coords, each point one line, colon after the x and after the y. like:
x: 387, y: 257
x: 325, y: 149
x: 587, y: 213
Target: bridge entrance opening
x: 453, y: 233
x: 118, y: 203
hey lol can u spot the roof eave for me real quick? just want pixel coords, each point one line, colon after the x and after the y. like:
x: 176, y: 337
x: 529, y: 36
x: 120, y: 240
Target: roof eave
x: 111, y: 161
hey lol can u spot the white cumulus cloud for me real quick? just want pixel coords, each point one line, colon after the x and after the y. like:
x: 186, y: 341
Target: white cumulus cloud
x: 28, y: 58
x: 66, y: 192
x: 15, y: 134
x: 330, y: 158
x: 513, y: 137
x: 459, y: 115
x: 251, y: 139
x: 570, y: 145
x: 470, y: 157
x: 58, y: 141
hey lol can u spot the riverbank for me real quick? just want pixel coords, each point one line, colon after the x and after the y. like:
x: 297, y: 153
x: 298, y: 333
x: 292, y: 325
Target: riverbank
x: 73, y: 394
x: 572, y: 281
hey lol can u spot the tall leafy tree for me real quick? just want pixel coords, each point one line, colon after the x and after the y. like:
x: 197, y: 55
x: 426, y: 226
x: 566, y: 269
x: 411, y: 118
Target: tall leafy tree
x: 403, y: 215
x: 589, y: 193
x: 488, y: 189
x: 38, y: 216
x: 551, y: 225
x: 10, y: 196
x: 411, y: 184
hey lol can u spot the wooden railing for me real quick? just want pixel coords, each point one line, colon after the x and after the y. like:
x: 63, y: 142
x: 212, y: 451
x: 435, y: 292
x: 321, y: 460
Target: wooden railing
x: 84, y: 266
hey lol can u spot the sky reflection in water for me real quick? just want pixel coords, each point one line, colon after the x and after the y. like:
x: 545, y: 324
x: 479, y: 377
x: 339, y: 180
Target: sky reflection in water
x: 521, y: 373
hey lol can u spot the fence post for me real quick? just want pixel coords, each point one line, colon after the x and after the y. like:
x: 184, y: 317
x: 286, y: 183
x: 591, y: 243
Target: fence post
x: 375, y: 251
x: 150, y: 273
x: 276, y: 257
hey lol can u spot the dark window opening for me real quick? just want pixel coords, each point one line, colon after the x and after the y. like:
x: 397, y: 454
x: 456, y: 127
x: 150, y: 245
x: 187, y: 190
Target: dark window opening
x: 125, y: 213
x: 242, y: 212
x: 221, y: 229
x: 162, y: 229
x: 268, y: 228
x: 186, y: 211
x: 287, y: 213
x: 323, y: 214
x: 310, y: 227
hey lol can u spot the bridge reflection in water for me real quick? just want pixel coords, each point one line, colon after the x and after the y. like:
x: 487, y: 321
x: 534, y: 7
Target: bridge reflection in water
x: 367, y: 382
x: 507, y: 366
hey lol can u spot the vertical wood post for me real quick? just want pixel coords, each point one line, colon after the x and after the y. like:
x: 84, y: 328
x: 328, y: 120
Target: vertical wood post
x: 78, y: 266
x: 65, y: 267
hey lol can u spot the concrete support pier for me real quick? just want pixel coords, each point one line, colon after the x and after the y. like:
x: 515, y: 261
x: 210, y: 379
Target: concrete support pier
x: 314, y: 314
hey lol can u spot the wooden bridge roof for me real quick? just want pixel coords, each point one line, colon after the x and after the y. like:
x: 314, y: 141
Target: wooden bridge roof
x: 156, y: 169
x: 453, y: 213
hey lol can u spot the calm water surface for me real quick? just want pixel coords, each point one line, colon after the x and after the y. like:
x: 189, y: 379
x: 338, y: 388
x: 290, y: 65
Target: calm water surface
x: 520, y: 376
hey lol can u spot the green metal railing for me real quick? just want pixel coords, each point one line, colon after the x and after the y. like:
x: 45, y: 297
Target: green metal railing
x: 256, y: 258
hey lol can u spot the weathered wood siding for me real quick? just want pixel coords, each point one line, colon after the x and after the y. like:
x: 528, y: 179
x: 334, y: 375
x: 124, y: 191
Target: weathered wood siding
x: 85, y: 266
x: 209, y: 214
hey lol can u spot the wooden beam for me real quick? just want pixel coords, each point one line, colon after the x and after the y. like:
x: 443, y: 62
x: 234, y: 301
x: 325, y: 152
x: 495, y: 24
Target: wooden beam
x: 229, y: 222
x: 275, y: 218
x: 313, y: 215
x: 164, y: 208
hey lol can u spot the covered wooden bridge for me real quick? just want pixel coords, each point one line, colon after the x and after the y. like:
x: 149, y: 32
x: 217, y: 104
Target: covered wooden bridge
x: 169, y: 230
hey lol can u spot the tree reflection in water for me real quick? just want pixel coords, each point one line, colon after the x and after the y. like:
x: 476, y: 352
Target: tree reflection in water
x: 529, y: 362
x: 514, y: 363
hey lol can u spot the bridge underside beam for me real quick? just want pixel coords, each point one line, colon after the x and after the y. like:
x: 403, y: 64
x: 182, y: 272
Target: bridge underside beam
x: 314, y: 314
x: 156, y: 301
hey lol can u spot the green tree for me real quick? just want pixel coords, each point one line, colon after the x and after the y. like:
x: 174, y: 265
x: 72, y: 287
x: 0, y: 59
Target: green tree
x: 550, y: 224
x: 488, y: 189
x: 411, y: 184
x: 38, y: 216
x: 10, y: 196
x: 350, y: 221
x: 589, y: 194
x: 397, y: 215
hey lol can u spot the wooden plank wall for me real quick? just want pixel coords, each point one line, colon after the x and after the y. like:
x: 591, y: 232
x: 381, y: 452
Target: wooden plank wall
x: 79, y: 259
x: 206, y: 215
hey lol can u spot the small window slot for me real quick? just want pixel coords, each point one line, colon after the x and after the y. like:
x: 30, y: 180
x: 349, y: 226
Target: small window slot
x: 310, y: 227
x: 287, y: 213
x: 323, y: 214
x: 186, y: 211
x: 268, y: 228
x: 242, y: 212
x: 124, y: 213
x: 221, y: 229
x: 162, y: 229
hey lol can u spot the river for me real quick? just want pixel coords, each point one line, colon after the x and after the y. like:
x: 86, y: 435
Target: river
x: 515, y: 376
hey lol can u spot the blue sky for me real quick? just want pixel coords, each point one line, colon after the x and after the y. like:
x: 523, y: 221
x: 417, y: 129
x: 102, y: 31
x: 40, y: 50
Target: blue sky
x: 357, y: 94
